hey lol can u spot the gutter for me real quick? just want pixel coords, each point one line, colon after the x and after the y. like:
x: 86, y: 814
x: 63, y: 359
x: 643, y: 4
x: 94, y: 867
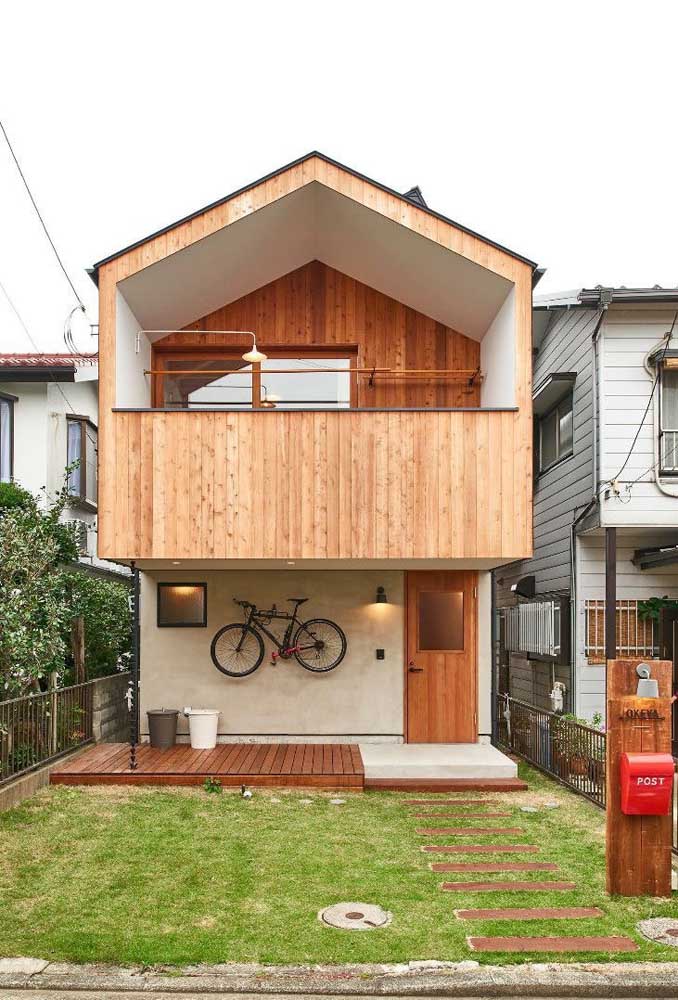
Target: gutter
x: 594, y: 296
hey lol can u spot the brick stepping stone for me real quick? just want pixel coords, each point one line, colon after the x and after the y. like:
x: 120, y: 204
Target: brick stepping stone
x: 499, y: 866
x: 560, y: 944
x: 450, y: 802
x: 531, y: 913
x: 480, y: 849
x: 472, y: 815
x: 467, y: 831
x: 508, y: 886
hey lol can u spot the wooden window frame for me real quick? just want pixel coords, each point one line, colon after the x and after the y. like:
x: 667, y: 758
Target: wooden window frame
x: 6, y: 397
x: 163, y: 585
x: 81, y: 498
x: 230, y: 352
x: 568, y: 397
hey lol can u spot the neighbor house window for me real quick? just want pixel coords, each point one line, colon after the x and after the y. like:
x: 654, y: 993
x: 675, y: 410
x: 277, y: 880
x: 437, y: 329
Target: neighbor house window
x: 668, y: 424
x: 6, y: 438
x: 555, y: 434
x: 82, y: 453
x: 290, y: 378
x: 182, y: 605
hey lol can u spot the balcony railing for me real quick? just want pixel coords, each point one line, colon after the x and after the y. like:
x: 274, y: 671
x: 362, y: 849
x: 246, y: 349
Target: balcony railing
x: 347, y: 484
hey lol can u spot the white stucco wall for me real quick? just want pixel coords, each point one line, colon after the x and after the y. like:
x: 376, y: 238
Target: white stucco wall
x: 132, y: 387
x: 498, y: 357
x: 362, y: 697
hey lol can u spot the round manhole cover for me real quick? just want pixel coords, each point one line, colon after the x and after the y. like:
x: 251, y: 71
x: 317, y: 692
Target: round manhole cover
x: 355, y: 916
x: 661, y: 930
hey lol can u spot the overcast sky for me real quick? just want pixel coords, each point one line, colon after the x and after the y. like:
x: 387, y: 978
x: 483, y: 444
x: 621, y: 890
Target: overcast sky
x: 549, y: 127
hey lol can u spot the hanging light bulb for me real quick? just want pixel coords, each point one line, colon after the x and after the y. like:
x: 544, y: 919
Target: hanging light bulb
x: 269, y: 400
x: 255, y: 354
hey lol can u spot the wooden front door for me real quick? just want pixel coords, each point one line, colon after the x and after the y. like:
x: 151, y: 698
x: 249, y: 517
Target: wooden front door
x: 441, y: 657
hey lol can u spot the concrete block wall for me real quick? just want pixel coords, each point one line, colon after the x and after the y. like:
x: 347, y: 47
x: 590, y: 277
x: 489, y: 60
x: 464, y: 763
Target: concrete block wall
x: 111, y: 718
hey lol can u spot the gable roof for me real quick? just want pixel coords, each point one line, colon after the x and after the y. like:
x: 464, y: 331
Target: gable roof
x: 413, y: 196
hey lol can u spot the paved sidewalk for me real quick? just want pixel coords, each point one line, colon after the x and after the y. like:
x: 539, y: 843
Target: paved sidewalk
x: 58, y: 980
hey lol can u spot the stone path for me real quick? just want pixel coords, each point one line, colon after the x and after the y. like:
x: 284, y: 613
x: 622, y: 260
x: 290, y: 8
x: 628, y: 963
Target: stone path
x: 479, y: 849
x: 456, y: 815
x: 508, y: 886
x: 516, y: 943
x: 469, y: 831
x: 496, y: 866
x: 530, y: 913
x: 559, y: 944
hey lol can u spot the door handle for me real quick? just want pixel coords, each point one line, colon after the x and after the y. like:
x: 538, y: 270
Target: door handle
x: 414, y: 669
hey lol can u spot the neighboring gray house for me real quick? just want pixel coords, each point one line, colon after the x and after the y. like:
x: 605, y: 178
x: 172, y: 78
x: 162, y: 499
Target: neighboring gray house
x: 48, y: 421
x: 606, y: 453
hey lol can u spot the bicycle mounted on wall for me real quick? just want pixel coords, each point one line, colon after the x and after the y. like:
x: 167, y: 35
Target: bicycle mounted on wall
x: 318, y: 644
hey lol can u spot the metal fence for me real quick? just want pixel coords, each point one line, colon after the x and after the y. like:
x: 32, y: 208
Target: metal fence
x: 40, y: 727
x: 635, y: 636
x: 570, y: 752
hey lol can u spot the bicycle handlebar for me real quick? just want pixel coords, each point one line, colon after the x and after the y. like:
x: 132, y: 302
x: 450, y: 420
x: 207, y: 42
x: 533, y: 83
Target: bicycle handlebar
x: 243, y: 604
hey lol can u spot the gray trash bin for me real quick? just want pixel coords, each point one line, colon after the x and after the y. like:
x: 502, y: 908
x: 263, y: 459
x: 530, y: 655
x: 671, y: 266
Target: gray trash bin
x: 162, y: 727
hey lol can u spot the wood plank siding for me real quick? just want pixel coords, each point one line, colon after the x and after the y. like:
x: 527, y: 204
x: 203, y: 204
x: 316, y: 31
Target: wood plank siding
x: 375, y: 482
x: 345, y: 485
x: 318, y: 306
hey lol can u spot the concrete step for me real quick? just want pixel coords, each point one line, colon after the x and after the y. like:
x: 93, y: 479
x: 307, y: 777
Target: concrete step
x: 477, y: 761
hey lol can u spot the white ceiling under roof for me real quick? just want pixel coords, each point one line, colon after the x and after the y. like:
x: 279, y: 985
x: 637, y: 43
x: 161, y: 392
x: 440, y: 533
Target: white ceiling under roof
x: 316, y: 223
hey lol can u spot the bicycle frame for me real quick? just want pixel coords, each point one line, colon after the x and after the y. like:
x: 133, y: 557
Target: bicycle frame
x: 282, y: 645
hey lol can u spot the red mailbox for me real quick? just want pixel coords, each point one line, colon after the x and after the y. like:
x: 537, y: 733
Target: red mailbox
x: 646, y: 783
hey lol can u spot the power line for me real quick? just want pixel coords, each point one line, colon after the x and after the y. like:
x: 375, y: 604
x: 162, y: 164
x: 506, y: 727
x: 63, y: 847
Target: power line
x: 649, y: 402
x: 34, y: 345
x: 42, y: 221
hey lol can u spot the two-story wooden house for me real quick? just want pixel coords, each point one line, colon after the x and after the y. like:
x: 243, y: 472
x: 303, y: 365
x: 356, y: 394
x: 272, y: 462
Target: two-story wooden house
x: 320, y: 388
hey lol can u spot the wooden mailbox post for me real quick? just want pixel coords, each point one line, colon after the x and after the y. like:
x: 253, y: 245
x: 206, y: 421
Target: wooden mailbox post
x: 638, y: 847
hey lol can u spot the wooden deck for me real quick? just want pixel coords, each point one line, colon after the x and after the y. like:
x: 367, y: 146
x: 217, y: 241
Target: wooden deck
x: 319, y: 765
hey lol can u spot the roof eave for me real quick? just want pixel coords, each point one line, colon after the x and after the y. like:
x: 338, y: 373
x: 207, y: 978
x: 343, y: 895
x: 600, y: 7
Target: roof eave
x: 93, y: 271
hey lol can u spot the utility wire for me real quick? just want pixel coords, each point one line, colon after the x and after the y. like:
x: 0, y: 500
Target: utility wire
x: 649, y: 402
x: 42, y: 221
x: 34, y: 345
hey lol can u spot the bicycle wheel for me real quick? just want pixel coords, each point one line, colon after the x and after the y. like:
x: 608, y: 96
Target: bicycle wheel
x: 237, y: 650
x: 322, y: 645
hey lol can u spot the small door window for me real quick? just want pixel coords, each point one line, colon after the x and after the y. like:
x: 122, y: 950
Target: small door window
x: 441, y: 620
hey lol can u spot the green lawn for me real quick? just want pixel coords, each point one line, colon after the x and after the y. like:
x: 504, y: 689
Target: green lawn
x: 177, y: 876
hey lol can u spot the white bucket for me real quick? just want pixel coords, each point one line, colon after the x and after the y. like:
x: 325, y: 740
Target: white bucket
x: 202, y: 725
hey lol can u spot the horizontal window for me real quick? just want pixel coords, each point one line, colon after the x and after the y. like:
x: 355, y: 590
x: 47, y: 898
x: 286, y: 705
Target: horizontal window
x: 224, y: 381
x: 182, y: 605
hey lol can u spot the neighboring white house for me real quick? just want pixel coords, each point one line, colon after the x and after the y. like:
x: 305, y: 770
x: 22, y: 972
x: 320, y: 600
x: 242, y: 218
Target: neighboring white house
x: 48, y: 422
x: 606, y: 454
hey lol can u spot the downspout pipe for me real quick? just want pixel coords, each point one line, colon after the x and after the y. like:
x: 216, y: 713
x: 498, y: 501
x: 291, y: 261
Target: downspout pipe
x: 605, y: 299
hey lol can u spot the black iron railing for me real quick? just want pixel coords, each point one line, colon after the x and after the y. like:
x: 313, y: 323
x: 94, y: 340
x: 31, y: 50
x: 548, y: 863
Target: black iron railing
x: 39, y: 727
x: 572, y: 753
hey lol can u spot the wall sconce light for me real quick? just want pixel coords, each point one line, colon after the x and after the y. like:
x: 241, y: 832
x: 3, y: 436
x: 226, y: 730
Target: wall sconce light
x: 255, y: 354
x: 648, y: 687
x: 381, y: 596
